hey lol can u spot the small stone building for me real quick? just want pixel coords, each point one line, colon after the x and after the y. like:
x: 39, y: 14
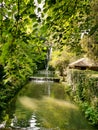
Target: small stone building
x: 83, y: 64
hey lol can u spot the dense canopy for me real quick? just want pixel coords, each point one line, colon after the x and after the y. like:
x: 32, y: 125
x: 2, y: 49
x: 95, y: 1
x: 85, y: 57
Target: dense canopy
x: 28, y: 31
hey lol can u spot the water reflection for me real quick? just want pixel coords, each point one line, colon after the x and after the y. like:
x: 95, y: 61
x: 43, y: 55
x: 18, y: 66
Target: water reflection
x: 51, y: 108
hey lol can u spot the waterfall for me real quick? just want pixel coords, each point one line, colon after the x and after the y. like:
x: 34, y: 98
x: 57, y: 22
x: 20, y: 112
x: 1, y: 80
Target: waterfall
x: 49, y: 52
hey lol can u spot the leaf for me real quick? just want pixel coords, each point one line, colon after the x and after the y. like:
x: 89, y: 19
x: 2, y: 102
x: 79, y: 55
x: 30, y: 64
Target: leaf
x: 93, y: 30
x: 32, y: 16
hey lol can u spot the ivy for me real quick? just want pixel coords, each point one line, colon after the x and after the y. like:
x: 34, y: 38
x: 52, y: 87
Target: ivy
x: 85, y: 93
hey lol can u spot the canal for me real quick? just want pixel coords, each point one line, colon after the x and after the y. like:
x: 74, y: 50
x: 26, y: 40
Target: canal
x: 45, y: 105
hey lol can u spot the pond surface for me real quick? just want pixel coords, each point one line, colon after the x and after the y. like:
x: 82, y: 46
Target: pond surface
x: 46, y: 106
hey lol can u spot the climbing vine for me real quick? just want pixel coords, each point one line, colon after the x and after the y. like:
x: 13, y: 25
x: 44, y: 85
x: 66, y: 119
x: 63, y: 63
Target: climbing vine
x: 85, y: 92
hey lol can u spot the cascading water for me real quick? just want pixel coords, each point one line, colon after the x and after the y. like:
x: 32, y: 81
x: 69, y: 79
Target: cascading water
x: 47, y: 66
x: 49, y: 52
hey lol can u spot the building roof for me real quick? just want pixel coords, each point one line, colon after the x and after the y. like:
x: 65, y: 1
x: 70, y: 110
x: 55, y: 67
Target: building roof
x: 83, y: 62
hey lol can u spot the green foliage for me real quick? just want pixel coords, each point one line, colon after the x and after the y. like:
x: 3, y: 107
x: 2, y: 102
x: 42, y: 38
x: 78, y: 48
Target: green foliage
x: 66, y: 20
x: 90, y: 42
x: 85, y: 92
x: 21, y: 50
x: 61, y: 58
x: 90, y: 113
x: 2, y: 96
x: 24, y: 39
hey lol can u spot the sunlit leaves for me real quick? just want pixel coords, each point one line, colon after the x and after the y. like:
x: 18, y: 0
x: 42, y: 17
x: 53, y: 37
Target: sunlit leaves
x: 65, y: 16
x: 90, y: 43
x: 60, y: 59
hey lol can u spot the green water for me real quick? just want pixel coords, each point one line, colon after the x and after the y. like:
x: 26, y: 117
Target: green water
x: 51, y: 105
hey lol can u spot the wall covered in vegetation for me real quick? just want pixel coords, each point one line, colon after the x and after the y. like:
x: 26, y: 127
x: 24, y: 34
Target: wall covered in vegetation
x: 84, y: 90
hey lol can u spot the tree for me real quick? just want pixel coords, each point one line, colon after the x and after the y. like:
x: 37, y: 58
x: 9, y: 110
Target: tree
x: 61, y: 59
x: 21, y: 50
x: 25, y: 37
x: 65, y: 23
x: 90, y: 42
